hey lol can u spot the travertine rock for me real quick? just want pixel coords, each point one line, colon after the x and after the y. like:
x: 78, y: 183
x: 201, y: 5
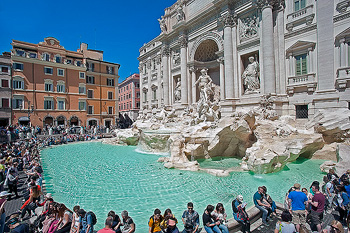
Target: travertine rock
x: 327, y: 165
x: 343, y: 155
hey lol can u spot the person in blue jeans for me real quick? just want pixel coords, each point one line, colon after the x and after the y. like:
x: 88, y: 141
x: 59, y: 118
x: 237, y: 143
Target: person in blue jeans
x: 210, y: 225
x: 265, y: 208
x: 220, y: 215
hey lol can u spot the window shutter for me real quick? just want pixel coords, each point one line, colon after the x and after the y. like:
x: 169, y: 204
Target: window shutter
x: 298, y: 65
x: 304, y: 66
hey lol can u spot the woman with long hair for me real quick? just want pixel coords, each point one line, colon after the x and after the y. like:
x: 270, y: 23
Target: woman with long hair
x: 220, y: 215
x: 30, y: 204
x: 65, y: 220
x: 75, y: 220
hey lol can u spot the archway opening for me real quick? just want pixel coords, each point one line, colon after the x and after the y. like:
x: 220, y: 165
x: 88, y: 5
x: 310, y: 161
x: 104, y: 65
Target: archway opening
x: 48, y: 121
x: 206, y: 51
x: 92, y: 122
x: 61, y: 120
x: 74, y: 121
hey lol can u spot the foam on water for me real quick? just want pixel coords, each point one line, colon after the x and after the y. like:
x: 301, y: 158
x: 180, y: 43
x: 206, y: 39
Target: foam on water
x: 103, y: 177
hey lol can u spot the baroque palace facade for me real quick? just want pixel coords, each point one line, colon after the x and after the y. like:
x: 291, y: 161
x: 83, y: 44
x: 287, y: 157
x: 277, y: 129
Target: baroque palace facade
x: 55, y: 86
x: 295, y: 51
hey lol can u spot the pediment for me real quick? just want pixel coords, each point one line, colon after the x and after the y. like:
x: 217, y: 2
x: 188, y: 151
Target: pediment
x: 301, y: 45
x: 53, y: 42
x: 343, y: 34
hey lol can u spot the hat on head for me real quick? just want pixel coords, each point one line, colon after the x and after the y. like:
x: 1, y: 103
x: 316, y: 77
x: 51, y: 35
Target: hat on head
x: 297, y: 186
x: 240, y: 198
x: 171, y: 222
x: 48, y: 195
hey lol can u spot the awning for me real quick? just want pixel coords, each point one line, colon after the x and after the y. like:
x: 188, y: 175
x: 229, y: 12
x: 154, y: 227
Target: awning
x: 23, y: 118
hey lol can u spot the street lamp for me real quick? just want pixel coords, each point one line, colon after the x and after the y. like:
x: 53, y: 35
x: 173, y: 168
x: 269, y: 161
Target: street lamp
x: 29, y: 111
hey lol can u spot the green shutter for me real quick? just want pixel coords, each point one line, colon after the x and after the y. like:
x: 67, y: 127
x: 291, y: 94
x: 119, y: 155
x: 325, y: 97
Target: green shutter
x: 302, y: 4
x: 298, y: 65
x: 304, y: 65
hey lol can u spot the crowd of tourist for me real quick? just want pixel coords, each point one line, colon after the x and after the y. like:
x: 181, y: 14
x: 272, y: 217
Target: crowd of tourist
x: 304, y: 208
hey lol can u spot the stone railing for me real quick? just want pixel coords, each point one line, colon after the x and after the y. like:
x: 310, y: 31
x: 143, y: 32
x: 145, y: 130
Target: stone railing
x: 308, y: 10
x: 343, y: 76
x: 302, y: 79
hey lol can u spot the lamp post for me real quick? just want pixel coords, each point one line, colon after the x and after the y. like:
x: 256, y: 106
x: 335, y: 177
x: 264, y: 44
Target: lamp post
x: 29, y: 111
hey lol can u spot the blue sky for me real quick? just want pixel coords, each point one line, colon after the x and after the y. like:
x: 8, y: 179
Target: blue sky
x: 119, y: 28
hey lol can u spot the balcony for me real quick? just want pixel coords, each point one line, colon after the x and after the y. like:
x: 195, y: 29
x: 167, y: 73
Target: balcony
x: 302, y: 16
x: 343, y: 76
x: 307, y: 80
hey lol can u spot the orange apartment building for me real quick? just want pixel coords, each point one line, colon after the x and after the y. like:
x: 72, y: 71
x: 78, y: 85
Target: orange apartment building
x: 55, y: 86
x: 129, y: 97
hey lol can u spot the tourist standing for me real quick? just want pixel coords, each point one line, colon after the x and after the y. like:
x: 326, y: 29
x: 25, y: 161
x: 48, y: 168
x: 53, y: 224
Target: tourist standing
x: 210, y: 225
x: 190, y: 219
x: 108, y: 226
x: 239, y: 213
x: 265, y: 208
x: 128, y: 223
x: 154, y: 222
x: 297, y: 200
x: 317, y: 207
x: 343, y: 203
x: 285, y: 226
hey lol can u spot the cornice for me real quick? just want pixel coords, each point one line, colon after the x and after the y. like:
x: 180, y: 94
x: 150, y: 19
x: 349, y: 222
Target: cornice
x: 47, y: 63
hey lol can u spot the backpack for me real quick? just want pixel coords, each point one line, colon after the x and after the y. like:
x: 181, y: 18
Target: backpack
x: 93, y: 217
x: 234, y: 208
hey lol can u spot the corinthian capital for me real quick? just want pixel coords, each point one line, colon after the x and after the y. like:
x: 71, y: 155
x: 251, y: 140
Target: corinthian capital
x: 229, y: 20
x: 183, y: 41
x: 165, y: 51
x: 269, y: 3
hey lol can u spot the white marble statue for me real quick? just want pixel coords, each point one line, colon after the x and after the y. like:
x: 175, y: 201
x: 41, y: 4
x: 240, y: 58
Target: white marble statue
x: 162, y: 24
x: 180, y: 13
x: 177, y: 91
x: 250, y: 76
x: 204, y: 84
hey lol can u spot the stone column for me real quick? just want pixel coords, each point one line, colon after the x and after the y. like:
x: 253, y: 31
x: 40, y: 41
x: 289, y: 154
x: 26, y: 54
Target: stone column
x: 149, y: 82
x: 267, y: 46
x: 133, y: 95
x: 228, y: 55
x: 342, y: 53
x: 222, y: 78
x: 159, y: 91
x: 141, y: 87
x: 183, y: 55
x: 281, y: 46
x: 194, y: 88
x: 235, y: 58
x: 165, y: 57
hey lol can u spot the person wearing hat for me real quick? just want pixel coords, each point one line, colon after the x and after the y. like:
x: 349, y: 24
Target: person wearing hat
x: 3, y: 200
x: 239, y: 213
x: 297, y: 200
x: 172, y: 228
x: 16, y: 227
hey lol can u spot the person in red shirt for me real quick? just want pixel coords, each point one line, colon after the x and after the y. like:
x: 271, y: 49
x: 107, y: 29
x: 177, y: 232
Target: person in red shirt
x: 108, y: 226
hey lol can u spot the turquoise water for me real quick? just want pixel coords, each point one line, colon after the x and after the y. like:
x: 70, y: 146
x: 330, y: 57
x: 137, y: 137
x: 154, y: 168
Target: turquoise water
x: 102, y: 177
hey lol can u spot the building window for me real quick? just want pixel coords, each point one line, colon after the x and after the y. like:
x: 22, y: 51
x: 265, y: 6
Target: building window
x: 82, y: 88
x: 110, y: 82
x: 18, y: 66
x: 48, y: 85
x: 138, y: 105
x: 301, y: 64
x: 90, y: 66
x: 78, y: 63
x: 299, y: 4
x: 110, y: 110
x: 4, y: 83
x: 154, y: 94
x: 33, y: 55
x: 137, y: 94
x: 18, y: 83
x: 48, y: 70
x: 68, y: 61
x: 301, y: 111
x: 137, y: 85
x: 90, y: 109
x: 20, y: 53
x: 5, y: 103
x: 4, y: 69
x: 60, y: 72
x: 60, y: 104
x: 81, y: 75
x: 110, y: 95
x: 90, y: 79
x: 58, y: 59
x: 82, y: 105
x: 46, y: 57
x: 90, y: 94
x: 109, y: 70
x: 48, y: 104
x: 17, y: 102
x: 144, y: 96
x: 60, y: 87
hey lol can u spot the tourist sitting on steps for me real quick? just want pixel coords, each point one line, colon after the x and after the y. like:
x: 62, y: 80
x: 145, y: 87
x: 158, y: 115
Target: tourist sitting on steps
x: 267, y: 199
x: 167, y: 215
x: 265, y: 208
x: 108, y: 226
x: 16, y: 227
x: 85, y: 221
x: 171, y: 226
x: 190, y: 219
x: 154, y: 222
x: 285, y: 226
x: 128, y: 223
x: 240, y: 215
x: 210, y: 225
x: 116, y: 221
x: 220, y: 215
